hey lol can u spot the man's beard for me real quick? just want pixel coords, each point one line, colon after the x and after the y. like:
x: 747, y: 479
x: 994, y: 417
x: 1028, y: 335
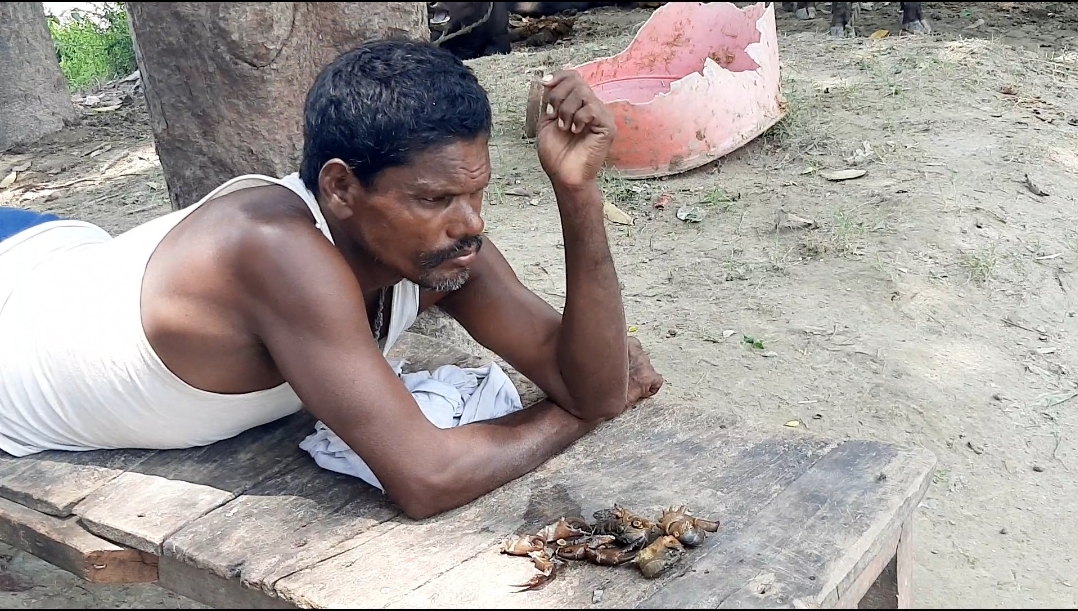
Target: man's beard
x: 430, y: 261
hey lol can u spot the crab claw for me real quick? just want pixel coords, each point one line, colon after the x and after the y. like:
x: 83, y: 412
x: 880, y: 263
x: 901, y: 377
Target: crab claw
x: 707, y: 525
x: 547, y: 568
x: 609, y: 556
x: 537, y: 581
x: 577, y: 551
x: 562, y: 529
x: 522, y: 546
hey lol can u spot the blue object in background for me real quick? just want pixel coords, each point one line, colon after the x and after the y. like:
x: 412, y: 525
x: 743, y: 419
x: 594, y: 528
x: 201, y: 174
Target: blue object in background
x: 15, y: 220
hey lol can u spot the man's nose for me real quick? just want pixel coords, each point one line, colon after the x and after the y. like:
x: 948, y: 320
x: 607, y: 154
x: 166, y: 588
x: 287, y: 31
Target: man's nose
x: 470, y: 219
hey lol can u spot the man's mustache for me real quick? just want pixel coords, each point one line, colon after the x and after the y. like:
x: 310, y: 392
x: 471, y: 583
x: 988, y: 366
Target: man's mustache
x: 434, y: 259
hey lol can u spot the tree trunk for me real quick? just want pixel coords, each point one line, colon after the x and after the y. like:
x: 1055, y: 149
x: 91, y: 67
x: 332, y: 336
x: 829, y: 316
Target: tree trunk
x: 34, y: 98
x: 225, y: 82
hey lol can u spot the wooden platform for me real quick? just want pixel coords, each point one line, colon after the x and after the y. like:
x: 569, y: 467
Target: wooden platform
x: 253, y: 522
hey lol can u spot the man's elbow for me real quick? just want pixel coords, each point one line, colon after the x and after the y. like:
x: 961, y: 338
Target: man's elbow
x: 423, y: 496
x: 609, y: 409
x: 596, y: 409
x: 418, y: 509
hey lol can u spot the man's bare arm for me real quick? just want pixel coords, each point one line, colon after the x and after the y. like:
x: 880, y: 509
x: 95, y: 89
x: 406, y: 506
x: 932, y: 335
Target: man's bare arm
x: 580, y: 359
x: 503, y: 315
x: 592, y: 348
x: 304, y: 302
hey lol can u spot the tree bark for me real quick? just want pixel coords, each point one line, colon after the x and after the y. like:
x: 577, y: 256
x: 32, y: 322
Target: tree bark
x: 225, y: 82
x: 34, y: 98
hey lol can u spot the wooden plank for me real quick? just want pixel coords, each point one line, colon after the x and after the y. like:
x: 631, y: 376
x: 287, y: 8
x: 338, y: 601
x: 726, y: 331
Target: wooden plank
x: 883, y: 593
x: 171, y: 489
x: 209, y: 589
x: 810, y: 544
x: 923, y: 462
x: 66, y: 545
x: 283, y: 525
x: 871, y: 579
x: 904, y: 566
x: 54, y: 482
x: 451, y: 560
x: 893, y: 587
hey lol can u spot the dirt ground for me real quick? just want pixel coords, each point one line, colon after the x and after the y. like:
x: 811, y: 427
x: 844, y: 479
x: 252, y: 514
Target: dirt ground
x: 934, y: 304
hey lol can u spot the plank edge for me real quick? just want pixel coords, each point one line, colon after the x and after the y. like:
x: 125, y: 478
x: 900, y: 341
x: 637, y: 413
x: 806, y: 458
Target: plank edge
x: 64, y: 544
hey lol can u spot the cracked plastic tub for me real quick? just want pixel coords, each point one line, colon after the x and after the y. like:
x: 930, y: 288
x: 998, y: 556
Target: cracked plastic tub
x: 697, y: 82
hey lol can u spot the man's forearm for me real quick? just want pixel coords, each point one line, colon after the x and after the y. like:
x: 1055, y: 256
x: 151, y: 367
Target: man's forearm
x: 482, y: 456
x: 592, y: 350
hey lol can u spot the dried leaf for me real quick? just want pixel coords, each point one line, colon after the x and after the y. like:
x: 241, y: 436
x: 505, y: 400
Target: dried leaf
x: 837, y: 175
x: 728, y: 333
x: 107, y: 108
x: 664, y: 200
x: 808, y: 170
x: 632, y: 329
x: 793, y: 423
x: 691, y: 214
x: 22, y: 167
x: 616, y: 215
x: 878, y: 34
x: 8, y: 180
x: 517, y: 192
x: 785, y: 220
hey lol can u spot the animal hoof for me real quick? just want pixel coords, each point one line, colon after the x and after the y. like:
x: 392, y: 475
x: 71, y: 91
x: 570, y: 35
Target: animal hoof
x: 805, y: 14
x: 918, y: 27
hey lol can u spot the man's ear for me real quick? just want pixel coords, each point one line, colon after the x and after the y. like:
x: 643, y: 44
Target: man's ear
x: 338, y: 187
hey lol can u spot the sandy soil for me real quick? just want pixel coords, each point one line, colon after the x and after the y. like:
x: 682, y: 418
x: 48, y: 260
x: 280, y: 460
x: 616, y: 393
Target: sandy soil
x: 934, y: 304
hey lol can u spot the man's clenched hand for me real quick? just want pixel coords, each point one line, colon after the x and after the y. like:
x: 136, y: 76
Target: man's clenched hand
x: 575, y: 130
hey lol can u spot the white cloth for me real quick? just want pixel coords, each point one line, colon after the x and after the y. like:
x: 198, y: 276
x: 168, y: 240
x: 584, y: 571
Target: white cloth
x: 451, y: 396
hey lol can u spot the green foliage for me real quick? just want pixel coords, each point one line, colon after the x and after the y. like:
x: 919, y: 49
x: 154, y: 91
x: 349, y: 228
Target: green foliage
x: 93, y: 46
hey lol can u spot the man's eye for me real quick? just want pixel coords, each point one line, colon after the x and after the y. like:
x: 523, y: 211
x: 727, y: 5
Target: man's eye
x: 438, y: 201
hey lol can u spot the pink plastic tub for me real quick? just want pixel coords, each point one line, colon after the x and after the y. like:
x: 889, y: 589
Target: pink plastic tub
x: 697, y: 82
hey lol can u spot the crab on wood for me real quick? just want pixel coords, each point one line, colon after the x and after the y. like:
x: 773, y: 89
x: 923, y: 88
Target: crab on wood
x: 618, y: 536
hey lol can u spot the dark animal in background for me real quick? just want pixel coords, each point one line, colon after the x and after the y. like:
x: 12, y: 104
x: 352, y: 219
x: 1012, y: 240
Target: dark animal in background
x: 841, y: 16
x: 470, y: 29
x: 477, y: 29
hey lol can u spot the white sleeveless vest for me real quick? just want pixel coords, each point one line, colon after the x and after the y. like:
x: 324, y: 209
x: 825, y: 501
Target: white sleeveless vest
x: 76, y: 369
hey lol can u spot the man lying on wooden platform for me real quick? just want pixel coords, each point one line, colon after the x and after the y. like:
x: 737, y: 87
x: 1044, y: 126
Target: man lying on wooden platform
x: 242, y: 308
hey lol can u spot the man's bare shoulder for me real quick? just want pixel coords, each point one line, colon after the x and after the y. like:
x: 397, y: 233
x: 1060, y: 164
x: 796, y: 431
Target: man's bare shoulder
x: 249, y: 247
x: 270, y: 236
x: 251, y: 211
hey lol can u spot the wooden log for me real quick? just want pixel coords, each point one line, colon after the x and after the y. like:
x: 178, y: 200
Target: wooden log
x: 66, y: 545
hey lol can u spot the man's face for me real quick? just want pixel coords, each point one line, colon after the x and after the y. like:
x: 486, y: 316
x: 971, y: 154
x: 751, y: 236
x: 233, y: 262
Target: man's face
x: 423, y: 220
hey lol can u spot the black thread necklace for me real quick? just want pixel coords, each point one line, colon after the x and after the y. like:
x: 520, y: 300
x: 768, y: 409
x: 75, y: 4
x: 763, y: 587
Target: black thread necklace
x: 378, y: 313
